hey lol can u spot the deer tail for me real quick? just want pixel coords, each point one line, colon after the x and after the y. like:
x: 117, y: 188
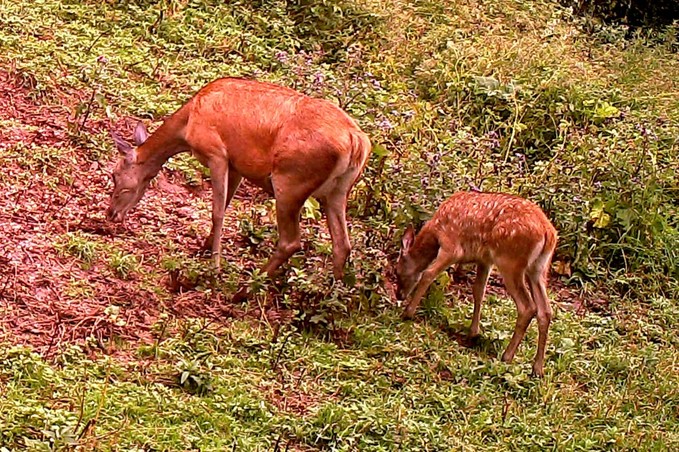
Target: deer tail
x: 360, y: 150
x: 544, y: 259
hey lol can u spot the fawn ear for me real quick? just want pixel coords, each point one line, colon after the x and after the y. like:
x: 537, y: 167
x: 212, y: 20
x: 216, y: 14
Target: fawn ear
x: 140, y: 134
x: 408, y: 239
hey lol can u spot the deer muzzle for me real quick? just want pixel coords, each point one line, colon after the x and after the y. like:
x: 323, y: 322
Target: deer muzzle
x: 114, y: 216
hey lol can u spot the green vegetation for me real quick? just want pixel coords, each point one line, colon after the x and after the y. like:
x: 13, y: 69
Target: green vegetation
x: 397, y: 386
x: 518, y: 96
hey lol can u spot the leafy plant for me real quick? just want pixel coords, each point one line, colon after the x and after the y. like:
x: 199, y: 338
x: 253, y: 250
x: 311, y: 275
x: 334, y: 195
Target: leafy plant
x: 80, y: 246
x: 123, y: 264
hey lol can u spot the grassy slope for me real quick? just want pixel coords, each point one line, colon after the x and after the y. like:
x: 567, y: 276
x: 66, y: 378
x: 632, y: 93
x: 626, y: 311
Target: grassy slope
x: 612, y: 377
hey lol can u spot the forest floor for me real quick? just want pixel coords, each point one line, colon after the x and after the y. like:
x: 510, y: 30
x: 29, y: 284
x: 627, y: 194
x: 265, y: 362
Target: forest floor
x: 120, y: 337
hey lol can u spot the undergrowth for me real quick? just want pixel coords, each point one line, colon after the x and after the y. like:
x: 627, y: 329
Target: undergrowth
x: 514, y: 96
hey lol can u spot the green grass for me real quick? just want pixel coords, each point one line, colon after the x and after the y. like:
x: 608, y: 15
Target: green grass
x: 398, y: 385
x: 511, y: 95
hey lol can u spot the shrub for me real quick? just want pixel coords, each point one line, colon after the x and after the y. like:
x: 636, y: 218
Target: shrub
x: 636, y: 13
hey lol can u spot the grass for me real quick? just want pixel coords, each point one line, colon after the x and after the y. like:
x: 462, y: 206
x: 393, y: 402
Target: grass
x: 512, y: 95
x: 396, y: 386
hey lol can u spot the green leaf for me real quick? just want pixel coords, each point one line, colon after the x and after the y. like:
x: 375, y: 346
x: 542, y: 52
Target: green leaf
x: 605, y: 111
x: 626, y: 216
x: 487, y: 83
x: 311, y: 209
x: 600, y: 217
x: 380, y: 150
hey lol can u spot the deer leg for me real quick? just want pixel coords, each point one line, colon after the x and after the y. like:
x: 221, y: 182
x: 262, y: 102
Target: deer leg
x: 516, y: 286
x: 219, y: 173
x: 440, y: 263
x: 233, y: 182
x: 287, y: 214
x: 337, y: 223
x: 289, y: 242
x: 538, y: 289
x: 479, y: 291
x: 235, y: 179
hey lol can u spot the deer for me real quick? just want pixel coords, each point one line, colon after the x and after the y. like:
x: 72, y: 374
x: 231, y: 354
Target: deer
x: 490, y: 230
x: 291, y: 145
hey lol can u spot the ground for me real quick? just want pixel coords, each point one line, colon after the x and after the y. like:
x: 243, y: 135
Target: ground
x: 38, y: 211
x: 124, y: 338
x: 65, y: 195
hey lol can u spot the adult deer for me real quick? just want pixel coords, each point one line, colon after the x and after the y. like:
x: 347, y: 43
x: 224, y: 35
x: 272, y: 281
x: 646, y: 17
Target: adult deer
x: 291, y: 145
x: 488, y: 229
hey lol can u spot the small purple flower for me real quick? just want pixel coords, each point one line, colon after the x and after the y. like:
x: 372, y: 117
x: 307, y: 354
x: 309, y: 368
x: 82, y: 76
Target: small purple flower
x: 493, y: 140
x: 308, y: 59
x: 282, y: 56
x: 646, y: 132
x: 385, y: 124
x: 101, y: 59
x: 409, y: 114
x: 319, y: 78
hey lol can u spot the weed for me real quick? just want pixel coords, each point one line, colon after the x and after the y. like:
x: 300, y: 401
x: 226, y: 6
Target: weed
x: 123, y: 264
x: 80, y: 246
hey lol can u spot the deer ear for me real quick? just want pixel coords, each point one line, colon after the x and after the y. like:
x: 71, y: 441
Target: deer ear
x: 140, y: 134
x: 123, y: 146
x: 408, y: 239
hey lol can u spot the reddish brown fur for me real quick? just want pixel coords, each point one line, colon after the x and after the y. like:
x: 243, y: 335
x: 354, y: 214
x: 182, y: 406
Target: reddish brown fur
x: 291, y: 145
x: 488, y: 229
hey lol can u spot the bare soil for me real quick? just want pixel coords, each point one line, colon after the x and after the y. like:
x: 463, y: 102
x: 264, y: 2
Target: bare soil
x: 69, y: 194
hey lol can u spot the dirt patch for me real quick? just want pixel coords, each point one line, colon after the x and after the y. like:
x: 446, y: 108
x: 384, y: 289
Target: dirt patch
x: 297, y: 398
x: 50, y: 190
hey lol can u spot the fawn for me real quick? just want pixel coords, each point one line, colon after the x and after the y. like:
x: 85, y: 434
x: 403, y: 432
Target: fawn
x: 488, y: 229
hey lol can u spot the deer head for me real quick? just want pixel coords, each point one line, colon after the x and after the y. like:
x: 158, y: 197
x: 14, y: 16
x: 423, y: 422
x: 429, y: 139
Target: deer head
x: 130, y: 179
x: 408, y: 270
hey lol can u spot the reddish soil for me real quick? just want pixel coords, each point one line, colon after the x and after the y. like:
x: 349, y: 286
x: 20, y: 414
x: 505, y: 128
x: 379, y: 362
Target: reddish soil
x: 47, y: 298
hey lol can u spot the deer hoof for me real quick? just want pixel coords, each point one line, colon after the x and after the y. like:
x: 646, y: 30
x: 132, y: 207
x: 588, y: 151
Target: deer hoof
x: 538, y: 371
x: 207, y: 244
x: 240, y: 296
x: 408, y: 315
x: 507, y: 358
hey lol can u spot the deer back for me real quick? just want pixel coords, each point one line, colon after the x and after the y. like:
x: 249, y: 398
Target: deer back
x: 481, y: 227
x: 261, y: 125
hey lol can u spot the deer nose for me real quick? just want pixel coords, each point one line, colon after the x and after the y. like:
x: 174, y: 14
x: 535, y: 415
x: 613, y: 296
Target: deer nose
x: 112, y: 215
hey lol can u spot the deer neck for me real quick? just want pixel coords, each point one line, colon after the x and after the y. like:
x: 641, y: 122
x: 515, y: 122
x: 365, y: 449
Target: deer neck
x: 166, y: 141
x: 424, y: 249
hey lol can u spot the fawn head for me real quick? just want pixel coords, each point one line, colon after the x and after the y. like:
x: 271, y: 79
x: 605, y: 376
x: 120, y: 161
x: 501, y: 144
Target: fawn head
x: 407, y: 268
x: 130, y: 178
